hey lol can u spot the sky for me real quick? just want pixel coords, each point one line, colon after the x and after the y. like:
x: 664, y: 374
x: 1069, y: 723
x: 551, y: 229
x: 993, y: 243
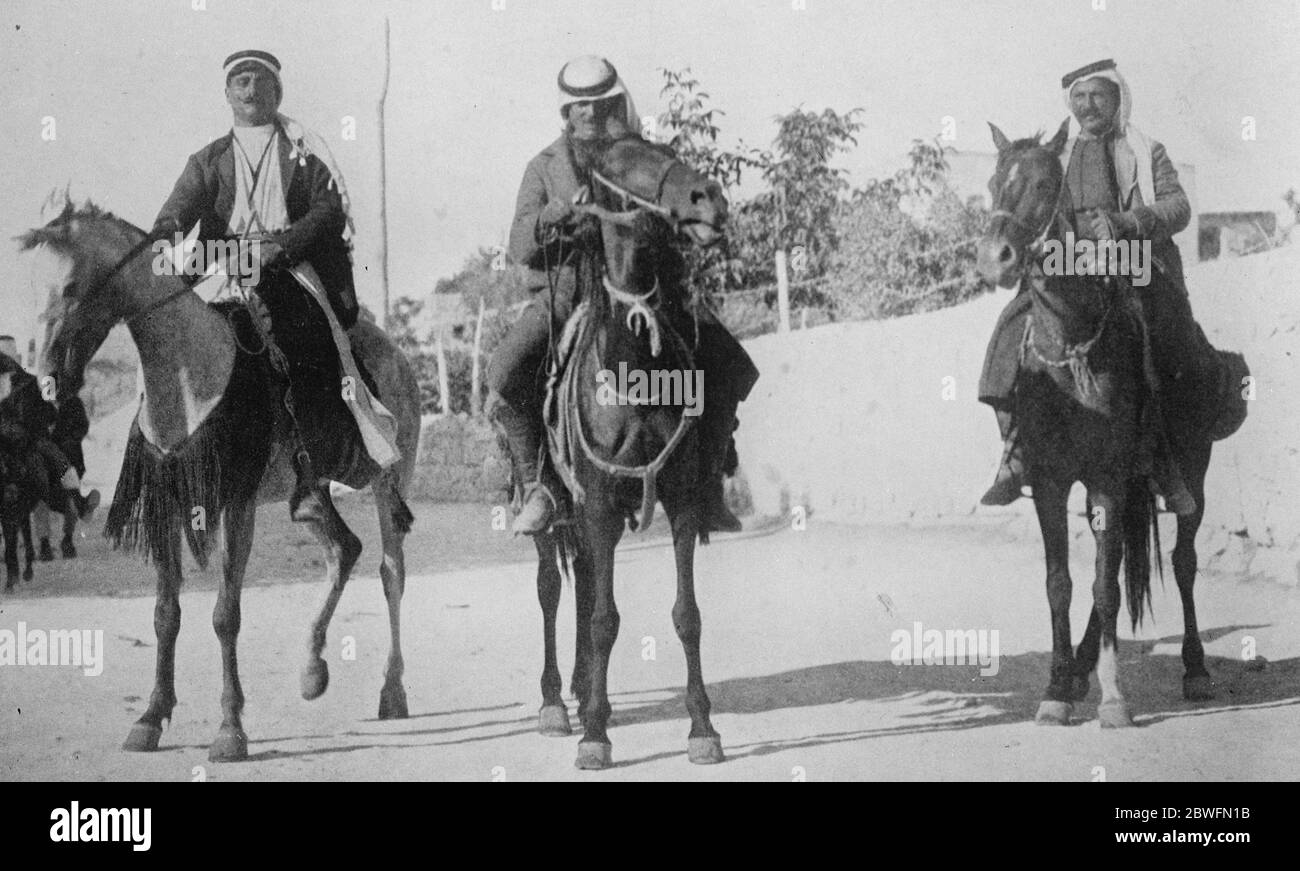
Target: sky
x: 133, y: 88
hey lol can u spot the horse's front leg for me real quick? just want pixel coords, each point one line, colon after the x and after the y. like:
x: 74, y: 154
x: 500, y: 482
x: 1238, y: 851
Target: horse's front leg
x: 342, y: 550
x: 1050, y: 497
x: 584, y: 600
x: 29, y: 550
x: 147, y: 730
x: 231, y: 744
x: 602, y: 530
x: 553, y: 718
x: 1108, y: 532
x: 704, y: 745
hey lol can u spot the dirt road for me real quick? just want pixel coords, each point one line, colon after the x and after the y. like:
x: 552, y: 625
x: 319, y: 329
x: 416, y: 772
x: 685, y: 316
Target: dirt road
x: 799, y: 627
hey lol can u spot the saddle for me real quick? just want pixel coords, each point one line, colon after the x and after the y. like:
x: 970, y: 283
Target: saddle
x: 350, y: 464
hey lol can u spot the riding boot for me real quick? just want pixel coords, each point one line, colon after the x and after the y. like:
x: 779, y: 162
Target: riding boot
x: 524, y: 437
x: 84, y: 505
x: 304, y: 503
x: 717, y: 455
x: 1156, y: 462
x: 1011, y: 471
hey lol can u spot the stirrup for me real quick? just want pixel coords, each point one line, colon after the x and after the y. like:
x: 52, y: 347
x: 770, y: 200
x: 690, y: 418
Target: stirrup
x: 534, y: 527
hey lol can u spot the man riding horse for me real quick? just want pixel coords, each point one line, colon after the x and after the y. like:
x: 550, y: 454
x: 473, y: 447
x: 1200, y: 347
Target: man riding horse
x: 26, y: 419
x: 273, y: 183
x: 593, y: 102
x: 1119, y: 185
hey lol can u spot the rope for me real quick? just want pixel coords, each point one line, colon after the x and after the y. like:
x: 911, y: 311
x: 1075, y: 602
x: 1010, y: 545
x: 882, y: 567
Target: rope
x: 1075, y: 357
x: 571, y: 419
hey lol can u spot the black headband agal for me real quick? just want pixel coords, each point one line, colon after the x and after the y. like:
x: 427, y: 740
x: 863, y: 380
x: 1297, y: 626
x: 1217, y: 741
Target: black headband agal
x: 1100, y: 66
x: 258, y: 57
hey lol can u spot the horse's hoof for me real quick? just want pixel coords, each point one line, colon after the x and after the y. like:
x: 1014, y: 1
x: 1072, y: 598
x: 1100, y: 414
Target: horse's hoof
x: 1198, y: 688
x: 231, y: 745
x: 706, y: 750
x: 553, y: 721
x: 1080, y: 688
x: 594, y: 755
x: 1053, y: 713
x: 143, y: 738
x: 392, y: 703
x: 27, y: 574
x: 315, y: 679
x: 1114, y: 715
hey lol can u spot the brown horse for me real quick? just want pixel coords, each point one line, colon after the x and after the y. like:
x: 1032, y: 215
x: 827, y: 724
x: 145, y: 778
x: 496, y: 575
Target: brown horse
x: 1080, y: 395
x: 618, y: 458
x: 209, y: 444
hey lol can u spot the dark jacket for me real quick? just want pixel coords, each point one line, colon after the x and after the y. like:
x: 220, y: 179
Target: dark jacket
x: 24, y: 413
x: 205, y: 194
x: 550, y: 175
x: 1157, y: 221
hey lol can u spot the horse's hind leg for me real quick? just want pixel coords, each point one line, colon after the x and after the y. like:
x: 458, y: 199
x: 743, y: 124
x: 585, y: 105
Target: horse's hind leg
x: 1197, y: 684
x: 1085, y: 655
x: 29, y: 550
x: 704, y: 746
x: 146, y: 731
x: 231, y: 744
x: 342, y: 549
x: 553, y: 718
x: 394, y: 523
x: 1050, y: 504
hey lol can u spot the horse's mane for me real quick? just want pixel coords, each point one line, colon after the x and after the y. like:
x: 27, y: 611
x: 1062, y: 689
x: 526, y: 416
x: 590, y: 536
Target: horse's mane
x: 58, y: 233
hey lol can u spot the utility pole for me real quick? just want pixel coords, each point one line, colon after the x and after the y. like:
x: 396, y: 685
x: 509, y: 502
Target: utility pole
x: 383, y: 187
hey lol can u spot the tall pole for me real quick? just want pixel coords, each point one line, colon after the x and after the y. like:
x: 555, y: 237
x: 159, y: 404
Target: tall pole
x: 383, y: 188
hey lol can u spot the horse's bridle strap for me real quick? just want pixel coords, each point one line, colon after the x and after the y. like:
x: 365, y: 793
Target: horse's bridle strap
x: 628, y: 196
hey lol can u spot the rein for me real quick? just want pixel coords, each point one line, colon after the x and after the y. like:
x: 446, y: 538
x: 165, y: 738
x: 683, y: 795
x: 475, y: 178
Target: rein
x: 627, y: 196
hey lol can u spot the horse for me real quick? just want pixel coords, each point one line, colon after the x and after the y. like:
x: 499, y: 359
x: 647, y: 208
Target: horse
x: 617, y: 458
x: 210, y: 443
x: 1081, y: 393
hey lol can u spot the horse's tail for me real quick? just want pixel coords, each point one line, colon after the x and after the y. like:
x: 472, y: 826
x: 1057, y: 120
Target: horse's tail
x: 1141, y: 532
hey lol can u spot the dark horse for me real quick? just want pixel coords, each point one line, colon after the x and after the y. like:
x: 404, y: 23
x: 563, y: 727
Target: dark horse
x: 1081, y: 395
x: 617, y: 456
x: 209, y: 444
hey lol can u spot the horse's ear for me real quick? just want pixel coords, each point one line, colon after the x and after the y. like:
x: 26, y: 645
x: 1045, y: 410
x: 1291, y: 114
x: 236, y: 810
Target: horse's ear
x: 1062, y: 136
x: 999, y: 138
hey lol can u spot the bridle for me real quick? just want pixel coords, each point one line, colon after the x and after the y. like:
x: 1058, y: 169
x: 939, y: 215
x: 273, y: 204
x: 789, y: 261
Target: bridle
x: 631, y: 199
x: 1037, y: 235
x: 72, y: 320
